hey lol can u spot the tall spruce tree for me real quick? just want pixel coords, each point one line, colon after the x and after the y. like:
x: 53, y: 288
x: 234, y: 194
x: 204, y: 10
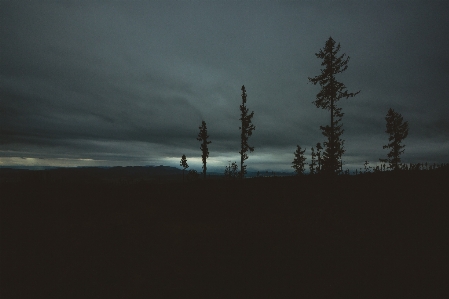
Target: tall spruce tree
x: 298, y: 162
x: 231, y: 171
x: 202, y: 137
x: 319, y: 148
x: 398, y: 131
x: 331, y: 92
x: 312, y: 164
x: 246, y: 131
x: 184, y: 165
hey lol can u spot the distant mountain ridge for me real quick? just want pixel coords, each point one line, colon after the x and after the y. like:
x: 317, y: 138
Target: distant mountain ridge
x: 87, y: 173
x: 113, y: 173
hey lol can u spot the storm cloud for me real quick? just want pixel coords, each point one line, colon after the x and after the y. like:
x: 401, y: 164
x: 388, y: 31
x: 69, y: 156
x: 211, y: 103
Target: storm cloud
x: 128, y: 83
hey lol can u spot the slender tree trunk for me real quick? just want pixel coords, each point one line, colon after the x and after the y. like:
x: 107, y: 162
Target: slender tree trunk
x: 332, y: 136
x: 241, y: 153
x: 396, y: 159
x: 204, y: 165
x: 332, y: 148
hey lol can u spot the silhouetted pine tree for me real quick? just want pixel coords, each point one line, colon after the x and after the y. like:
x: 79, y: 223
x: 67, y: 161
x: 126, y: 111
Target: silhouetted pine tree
x: 227, y: 172
x: 331, y: 92
x: 367, y: 167
x: 312, y: 165
x: 247, y: 130
x: 398, y: 130
x: 318, y: 154
x: 202, y: 136
x: 184, y: 165
x: 232, y: 171
x: 298, y: 162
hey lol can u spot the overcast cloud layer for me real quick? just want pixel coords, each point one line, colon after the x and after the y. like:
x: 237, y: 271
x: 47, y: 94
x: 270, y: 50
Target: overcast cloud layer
x: 128, y: 82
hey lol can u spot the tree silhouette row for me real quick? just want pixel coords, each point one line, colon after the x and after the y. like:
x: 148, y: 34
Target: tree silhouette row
x: 328, y: 159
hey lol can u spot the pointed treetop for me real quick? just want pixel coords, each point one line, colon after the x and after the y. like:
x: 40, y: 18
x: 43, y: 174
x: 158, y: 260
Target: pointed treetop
x: 183, y: 162
x: 243, y: 94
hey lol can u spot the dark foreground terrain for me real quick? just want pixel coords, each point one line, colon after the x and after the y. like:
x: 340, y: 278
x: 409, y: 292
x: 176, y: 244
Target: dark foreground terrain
x: 369, y: 236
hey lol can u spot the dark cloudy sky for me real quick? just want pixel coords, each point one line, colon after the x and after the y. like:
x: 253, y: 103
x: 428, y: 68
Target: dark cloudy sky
x: 128, y: 82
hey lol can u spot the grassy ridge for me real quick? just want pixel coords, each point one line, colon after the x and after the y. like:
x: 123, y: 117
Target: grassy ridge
x: 363, y: 236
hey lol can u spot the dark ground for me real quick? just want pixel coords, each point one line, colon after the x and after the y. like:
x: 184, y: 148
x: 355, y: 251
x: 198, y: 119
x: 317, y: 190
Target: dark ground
x: 369, y: 236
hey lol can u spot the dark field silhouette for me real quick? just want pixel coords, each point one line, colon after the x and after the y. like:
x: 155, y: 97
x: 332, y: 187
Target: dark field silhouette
x: 366, y: 236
